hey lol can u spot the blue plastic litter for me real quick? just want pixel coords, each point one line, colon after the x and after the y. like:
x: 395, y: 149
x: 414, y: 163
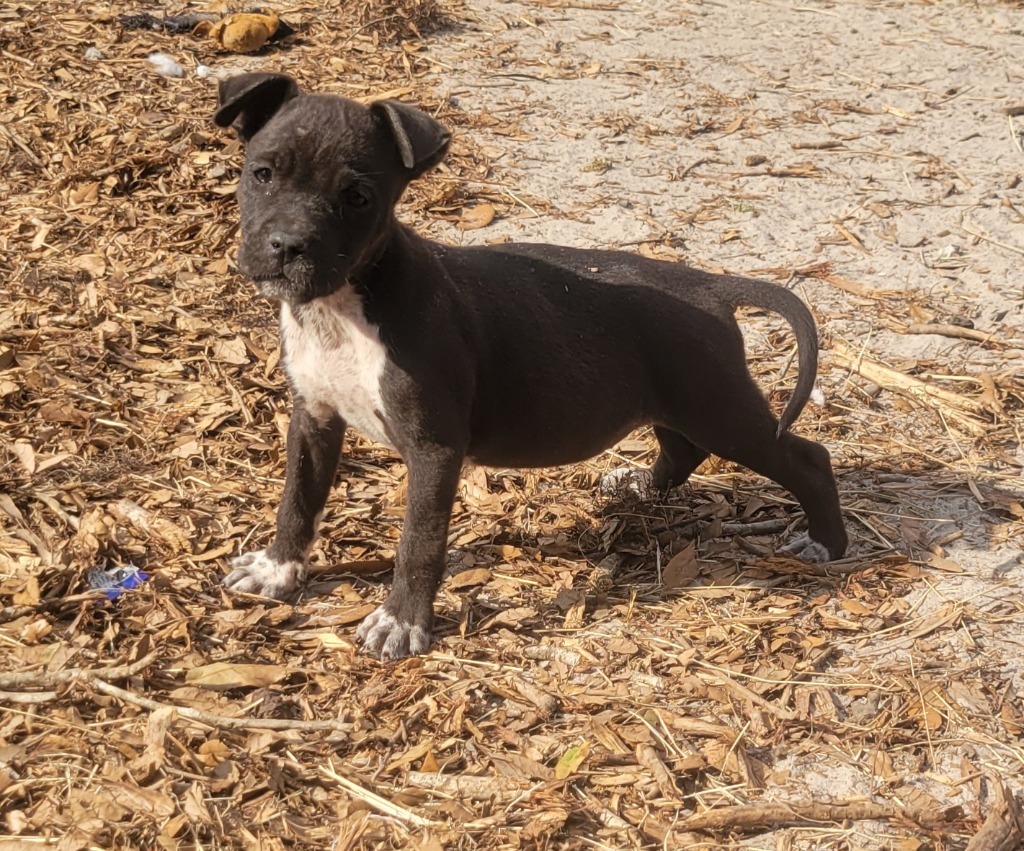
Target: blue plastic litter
x: 116, y: 580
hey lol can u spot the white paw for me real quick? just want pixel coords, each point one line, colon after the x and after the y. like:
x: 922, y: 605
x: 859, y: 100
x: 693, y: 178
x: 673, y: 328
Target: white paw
x: 384, y: 635
x: 637, y: 480
x: 258, y: 573
x: 806, y: 548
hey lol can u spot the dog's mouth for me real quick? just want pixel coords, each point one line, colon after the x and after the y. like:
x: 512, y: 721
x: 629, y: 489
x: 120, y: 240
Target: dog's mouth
x: 267, y: 284
x: 291, y: 288
x: 296, y: 280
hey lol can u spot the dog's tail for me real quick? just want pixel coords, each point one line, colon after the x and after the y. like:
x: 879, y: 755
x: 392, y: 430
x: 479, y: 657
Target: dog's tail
x: 753, y: 293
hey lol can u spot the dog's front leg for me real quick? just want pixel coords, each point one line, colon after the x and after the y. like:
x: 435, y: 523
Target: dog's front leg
x: 402, y: 624
x: 314, y: 446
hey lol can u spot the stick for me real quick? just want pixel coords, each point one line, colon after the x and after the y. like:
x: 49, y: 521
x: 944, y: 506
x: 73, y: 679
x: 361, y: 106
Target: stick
x: 744, y: 693
x: 648, y: 757
x: 951, y: 331
x: 1014, y: 137
x: 607, y: 817
x: 219, y: 721
x: 934, y: 397
x: 27, y: 696
x: 11, y: 613
x: 550, y: 653
x: 363, y: 567
x: 757, y: 527
x: 465, y: 786
x: 993, y: 241
x: 43, y: 679
x: 381, y: 805
x: 758, y: 817
x: 1003, y: 830
x: 96, y: 678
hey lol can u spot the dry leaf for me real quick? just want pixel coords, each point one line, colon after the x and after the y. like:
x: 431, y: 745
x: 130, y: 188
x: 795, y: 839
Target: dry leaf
x: 136, y: 799
x: 479, y: 216
x: 228, y: 675
x: 25, y: 454
x: 682, y: 568
x: 469, y: 579
x: 571, y: 760
x: 94, y: 264
x: 233, y: 351
x: 882, y: 768
x: 332, y: 641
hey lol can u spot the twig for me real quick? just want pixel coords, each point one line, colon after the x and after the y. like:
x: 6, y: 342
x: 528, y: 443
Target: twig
x: 464, y: 786
x: 45, y: 679
x: 381, y: 805
x: 757, y: 817
x: 27, y: 696
x: 924, y: 708
x: 1014, y: 137
x: 694, y: 164
x: 744, y: 693
x: 951, y: 331
x: 607, y: 817
x: 987, y: 238
x: 220, y: 721
x: 648, y: 757
x: 934, y: 397
x: 828, y: 144
x: 24, y: 148
x: 550, y: 653
x: 363, y: 567
x: 758, y: 527
x: 11, y: 613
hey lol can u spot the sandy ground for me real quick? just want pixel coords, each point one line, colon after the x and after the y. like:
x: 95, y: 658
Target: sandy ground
x: 758, y: 136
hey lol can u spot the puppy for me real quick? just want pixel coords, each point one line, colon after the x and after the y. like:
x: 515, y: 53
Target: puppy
x: 515, y: 355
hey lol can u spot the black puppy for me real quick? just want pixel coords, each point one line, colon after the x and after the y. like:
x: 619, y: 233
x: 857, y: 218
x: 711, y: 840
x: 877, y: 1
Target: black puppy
x: 517, y: 355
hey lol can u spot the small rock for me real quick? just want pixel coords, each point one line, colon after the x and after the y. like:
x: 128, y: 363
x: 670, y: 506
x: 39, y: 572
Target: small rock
x: 164, y: 65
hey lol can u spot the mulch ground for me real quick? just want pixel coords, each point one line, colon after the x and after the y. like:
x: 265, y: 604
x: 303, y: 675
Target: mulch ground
x: 610, y: 671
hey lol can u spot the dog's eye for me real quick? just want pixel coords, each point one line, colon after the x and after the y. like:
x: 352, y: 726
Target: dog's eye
x: 262, y: 174
x: 357, y: 198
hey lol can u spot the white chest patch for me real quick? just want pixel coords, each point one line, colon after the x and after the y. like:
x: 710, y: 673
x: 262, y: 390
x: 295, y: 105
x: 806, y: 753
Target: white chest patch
x: 335, y: 360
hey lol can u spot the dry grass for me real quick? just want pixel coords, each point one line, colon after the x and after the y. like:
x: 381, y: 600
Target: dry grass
x: 599, y: 680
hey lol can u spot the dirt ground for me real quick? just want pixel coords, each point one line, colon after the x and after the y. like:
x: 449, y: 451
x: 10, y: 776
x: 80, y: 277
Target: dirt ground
x: 612, y: 669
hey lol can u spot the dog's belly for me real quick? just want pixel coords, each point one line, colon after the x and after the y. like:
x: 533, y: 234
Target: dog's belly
x: 550, y: 452
x: 548, y: 438
x: 335, y: 361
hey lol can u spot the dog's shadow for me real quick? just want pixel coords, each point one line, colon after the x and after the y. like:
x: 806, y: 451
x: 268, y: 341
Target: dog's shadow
x: 570, y: 546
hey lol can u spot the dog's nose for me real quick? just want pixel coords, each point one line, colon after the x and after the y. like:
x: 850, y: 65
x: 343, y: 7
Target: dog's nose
x: 287, y: 245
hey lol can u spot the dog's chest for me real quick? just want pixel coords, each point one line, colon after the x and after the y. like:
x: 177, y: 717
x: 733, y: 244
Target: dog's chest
x: 335, y: 361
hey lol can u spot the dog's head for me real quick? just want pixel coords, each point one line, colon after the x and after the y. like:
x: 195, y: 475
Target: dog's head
x: 321, y: 177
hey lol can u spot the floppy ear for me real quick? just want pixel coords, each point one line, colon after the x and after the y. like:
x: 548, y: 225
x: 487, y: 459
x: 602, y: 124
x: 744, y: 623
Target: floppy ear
x: 422, y: 142
x: 248, y: 101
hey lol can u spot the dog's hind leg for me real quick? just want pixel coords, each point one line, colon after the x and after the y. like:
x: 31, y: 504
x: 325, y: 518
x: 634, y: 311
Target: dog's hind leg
x: 745, y: 432
x: 676, y: 461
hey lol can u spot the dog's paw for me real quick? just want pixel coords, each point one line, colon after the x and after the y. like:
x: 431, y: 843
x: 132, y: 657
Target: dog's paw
x: 388, y: 636
x: 806, y: 548
x: 639, y: 481
x: 260, y: 573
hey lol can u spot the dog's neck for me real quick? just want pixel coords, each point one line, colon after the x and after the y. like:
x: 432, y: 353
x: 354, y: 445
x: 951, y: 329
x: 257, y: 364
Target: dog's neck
x: 386, y: 259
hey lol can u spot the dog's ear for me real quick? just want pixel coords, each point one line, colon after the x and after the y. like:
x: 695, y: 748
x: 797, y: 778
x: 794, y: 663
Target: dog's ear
x: 248, y: 101
x: 422, y: 141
